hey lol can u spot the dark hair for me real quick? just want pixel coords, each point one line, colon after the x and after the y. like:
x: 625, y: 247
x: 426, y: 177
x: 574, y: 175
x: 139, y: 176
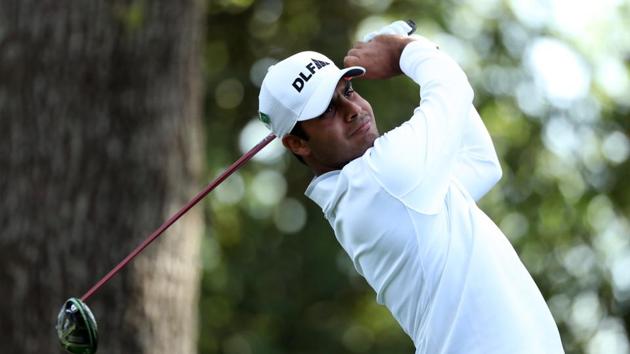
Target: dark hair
x: 300, y: 133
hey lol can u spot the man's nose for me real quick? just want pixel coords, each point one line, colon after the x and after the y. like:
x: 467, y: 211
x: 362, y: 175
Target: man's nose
x: 351, y: 110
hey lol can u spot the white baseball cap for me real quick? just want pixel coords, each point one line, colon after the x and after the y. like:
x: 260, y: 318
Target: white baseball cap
x: 299, y: 88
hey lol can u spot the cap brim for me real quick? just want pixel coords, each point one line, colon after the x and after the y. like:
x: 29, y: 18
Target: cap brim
x: 320, y: 100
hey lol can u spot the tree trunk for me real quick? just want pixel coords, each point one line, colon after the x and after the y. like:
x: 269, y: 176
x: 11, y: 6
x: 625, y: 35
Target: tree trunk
x: 100, y: 141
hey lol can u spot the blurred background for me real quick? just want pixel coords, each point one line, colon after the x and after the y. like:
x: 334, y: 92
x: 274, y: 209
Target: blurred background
x: 114, y: 113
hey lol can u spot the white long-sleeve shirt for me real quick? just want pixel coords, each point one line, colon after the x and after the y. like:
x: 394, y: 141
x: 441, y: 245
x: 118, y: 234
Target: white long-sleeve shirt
x: 405, y: 213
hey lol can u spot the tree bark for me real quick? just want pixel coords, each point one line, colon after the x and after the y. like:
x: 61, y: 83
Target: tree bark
x: 100, y: 141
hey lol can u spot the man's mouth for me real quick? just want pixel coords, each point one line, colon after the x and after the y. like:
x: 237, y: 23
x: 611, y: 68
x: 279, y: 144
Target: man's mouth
x: 363, y: 126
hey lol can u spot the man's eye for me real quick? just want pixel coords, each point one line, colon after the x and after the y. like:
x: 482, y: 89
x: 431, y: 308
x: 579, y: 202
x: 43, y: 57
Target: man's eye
x: 348, y: 92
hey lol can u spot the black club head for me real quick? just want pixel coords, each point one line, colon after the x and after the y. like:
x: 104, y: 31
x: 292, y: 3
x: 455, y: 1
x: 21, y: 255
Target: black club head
x: 76, y: 327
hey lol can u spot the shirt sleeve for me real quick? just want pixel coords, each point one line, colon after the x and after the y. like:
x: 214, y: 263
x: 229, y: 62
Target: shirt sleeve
x: 415, y: 161
x: 477, y: 168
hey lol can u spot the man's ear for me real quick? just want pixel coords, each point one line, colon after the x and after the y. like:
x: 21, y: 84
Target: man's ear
x: 296, y: 145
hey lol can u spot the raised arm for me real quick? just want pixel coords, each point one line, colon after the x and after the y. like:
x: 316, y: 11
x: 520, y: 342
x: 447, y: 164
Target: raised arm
x: 416, y: 161
x: 477, y: 168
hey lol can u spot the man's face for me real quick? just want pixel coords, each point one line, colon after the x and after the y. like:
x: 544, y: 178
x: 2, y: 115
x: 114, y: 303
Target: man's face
x: 342, y: 133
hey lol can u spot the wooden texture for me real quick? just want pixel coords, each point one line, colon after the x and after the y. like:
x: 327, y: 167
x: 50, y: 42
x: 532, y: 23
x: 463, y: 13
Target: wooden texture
x: 100, y: 141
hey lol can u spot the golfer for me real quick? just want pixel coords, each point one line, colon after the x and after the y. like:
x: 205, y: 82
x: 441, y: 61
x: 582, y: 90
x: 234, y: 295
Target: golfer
x: 403, y: 204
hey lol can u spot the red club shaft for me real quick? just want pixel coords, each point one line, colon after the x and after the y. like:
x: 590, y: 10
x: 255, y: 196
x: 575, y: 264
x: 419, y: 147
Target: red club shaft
x: 235, y: 166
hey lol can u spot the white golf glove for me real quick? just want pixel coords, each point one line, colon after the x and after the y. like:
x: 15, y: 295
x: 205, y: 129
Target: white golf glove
x: 403, y: 28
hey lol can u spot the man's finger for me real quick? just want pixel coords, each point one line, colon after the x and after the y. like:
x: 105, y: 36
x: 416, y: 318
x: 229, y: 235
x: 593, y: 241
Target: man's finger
x: 354, y: 52
x: 351, y: 60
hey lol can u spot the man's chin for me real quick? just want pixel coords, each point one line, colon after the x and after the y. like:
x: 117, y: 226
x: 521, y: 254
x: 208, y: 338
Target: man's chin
x: 368, y: 142
x: 370, y: 137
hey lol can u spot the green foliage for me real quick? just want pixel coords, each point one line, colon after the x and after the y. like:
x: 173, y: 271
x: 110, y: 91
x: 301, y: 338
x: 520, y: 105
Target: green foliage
x: 270, y: 287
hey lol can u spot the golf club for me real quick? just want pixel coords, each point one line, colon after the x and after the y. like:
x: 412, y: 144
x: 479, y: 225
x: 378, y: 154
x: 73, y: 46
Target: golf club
x: 76, y: 325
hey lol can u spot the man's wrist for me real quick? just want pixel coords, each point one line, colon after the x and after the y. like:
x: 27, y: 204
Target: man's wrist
x: 417, y: 45
x: 401, y: 45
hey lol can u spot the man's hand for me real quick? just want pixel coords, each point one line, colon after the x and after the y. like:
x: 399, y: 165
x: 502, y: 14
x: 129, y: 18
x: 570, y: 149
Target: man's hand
x: 403, y: 28
x: 380, y: 56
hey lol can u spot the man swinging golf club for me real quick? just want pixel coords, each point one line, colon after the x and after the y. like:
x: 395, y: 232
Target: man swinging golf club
x: 403, y: 204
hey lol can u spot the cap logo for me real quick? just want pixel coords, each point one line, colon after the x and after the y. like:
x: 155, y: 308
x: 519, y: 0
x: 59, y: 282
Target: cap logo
x: 264, y: 118
x: 301, y: 79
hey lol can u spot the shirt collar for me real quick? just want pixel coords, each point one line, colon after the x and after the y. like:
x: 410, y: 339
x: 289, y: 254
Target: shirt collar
x: 322, y: 188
